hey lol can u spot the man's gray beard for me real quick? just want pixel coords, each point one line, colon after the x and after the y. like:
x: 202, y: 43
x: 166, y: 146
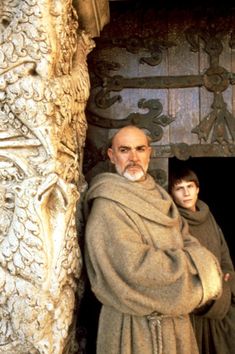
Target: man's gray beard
x: 131, y: 177
x: 134, y: 177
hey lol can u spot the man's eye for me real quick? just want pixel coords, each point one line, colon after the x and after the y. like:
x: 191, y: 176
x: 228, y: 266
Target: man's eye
x: 178, y: 189
x: 141, y: 148
x: 123, y: 149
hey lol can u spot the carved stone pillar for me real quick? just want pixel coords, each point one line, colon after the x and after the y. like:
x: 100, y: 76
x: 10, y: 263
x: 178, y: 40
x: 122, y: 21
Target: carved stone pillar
x: 44, y: 87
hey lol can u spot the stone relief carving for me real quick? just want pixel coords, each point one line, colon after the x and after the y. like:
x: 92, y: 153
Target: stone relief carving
x: 44, y: 87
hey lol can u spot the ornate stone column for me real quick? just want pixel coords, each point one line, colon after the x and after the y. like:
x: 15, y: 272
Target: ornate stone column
x: 44, y: 87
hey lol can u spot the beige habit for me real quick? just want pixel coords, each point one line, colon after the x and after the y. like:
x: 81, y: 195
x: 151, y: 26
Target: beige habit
x: 145, y: 268
x: 214, y: 325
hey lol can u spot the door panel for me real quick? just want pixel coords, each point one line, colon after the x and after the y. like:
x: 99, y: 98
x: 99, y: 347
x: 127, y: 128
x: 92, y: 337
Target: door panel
x: 168, y: 71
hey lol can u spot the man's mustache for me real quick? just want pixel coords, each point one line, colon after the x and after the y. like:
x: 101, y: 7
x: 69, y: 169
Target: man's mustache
x: 133, y: 164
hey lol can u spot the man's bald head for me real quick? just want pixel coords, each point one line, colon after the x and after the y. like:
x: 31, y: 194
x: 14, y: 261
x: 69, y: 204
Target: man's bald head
x: 130, y: 153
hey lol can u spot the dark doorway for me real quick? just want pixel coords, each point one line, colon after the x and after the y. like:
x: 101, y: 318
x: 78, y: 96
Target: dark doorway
x: 217, y: 189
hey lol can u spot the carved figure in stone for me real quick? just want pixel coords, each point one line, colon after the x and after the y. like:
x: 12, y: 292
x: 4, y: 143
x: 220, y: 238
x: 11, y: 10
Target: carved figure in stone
x: 44, y: 87
x: 37, y: 255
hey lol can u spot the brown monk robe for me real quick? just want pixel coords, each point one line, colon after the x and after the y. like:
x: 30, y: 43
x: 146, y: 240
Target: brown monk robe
x: 145, y: 268
x: 215, y: 326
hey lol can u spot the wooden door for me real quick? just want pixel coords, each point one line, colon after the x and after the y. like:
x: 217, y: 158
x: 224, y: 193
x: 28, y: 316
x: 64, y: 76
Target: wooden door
x: 169, y: 71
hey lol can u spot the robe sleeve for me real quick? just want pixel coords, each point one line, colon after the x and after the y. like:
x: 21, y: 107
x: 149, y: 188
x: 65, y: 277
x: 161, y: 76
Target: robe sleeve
x: 138, y: 278
x: 208, y: 269
x: 220, y: 307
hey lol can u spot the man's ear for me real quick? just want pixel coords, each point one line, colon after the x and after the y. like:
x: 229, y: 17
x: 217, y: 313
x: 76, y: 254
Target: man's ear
x: 149, y: 152
x: 110, y: 154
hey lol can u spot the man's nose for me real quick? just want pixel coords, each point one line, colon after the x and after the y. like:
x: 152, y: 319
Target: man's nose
x: 133, y: 155
x: 186, y: 191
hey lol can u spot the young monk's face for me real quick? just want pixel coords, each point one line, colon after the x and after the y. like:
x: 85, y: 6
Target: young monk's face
x: 130, y: 153
x: 185, y: 194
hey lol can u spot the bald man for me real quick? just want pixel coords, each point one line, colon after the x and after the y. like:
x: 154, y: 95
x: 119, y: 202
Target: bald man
x: 144, y: 267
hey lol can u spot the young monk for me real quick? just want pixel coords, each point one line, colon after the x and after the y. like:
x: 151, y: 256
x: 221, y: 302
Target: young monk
x: 214, y: 324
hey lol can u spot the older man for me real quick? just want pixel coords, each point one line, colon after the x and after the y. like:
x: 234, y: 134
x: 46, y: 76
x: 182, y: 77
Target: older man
x: 144, y: 267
